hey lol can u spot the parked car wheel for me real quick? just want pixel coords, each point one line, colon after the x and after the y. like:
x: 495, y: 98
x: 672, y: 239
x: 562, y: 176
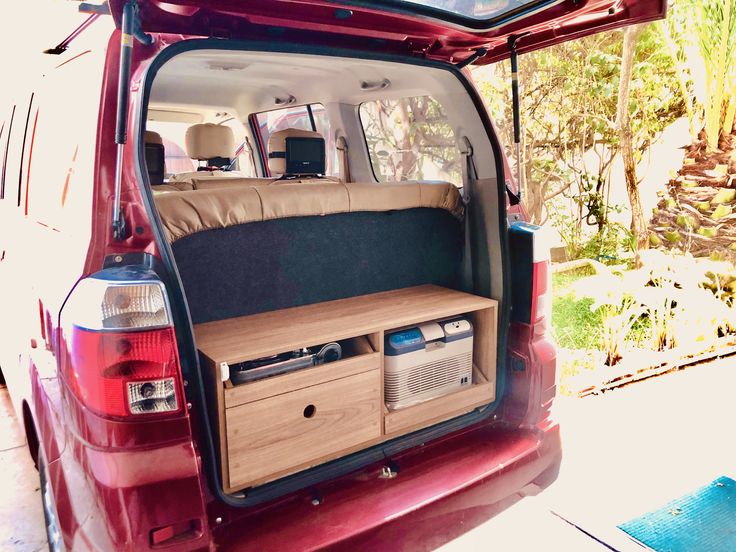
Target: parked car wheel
x: 53, y: 532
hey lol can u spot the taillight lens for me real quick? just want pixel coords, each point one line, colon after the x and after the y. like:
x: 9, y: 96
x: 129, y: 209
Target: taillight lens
x: 541, y: 297
x: 99, y: 304
x: 120, y: 356
x: 531, y: 287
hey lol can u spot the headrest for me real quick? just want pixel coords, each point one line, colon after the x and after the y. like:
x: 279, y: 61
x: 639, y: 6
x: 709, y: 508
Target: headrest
x: 207, y: 141
x: 155, y: 157
x: 151, y: 137
x: 277, y: 148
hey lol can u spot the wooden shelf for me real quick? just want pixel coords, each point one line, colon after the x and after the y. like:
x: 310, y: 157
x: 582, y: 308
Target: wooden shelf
x: 272, y: 427
x: 239, y: 339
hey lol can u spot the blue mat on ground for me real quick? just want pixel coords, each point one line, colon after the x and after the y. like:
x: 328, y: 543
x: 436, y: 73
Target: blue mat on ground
x: 703, y: 520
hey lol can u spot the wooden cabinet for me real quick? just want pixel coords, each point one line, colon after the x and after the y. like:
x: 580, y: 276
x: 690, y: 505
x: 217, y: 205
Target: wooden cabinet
x: 280, y: 425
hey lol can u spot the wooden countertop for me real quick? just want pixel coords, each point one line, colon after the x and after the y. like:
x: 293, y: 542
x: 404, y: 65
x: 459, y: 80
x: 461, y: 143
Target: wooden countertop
x: 249, y: 337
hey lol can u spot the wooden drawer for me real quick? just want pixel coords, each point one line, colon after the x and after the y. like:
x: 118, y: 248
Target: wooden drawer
x: 275, y: 436
x: 360, y: 357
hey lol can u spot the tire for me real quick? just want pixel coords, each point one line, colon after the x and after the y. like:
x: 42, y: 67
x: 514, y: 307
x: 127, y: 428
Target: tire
x: 53, y: 532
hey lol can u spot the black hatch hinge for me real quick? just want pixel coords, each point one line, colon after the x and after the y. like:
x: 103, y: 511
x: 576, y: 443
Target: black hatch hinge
x: 479, y: 53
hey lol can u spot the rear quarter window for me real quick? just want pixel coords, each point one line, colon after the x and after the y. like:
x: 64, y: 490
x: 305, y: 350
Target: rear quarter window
x: 410, y: 139
x: 303, y: 117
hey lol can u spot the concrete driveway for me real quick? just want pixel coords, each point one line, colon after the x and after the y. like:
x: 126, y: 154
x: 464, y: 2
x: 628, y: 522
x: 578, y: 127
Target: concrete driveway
x: 626, y: 452
x: 21, y: 515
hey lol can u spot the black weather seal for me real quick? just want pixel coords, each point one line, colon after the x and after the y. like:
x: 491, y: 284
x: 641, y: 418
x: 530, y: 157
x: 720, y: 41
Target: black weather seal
x: 479, y: 53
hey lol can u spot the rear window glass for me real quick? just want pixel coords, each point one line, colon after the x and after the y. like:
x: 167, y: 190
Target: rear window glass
x: 410, y: 139
x: 299, y: 117
x: 474, y: 9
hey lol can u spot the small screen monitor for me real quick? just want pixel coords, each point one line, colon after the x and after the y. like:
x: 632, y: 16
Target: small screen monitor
x: 305, y: 155
x: 156, y: 163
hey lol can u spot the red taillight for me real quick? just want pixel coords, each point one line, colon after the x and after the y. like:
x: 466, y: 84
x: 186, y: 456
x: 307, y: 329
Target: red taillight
x: 541, y: 309
x: 120, y: 357
x: 124, y: 373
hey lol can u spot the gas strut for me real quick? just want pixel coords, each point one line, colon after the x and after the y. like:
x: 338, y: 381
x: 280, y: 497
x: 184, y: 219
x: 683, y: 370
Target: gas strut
x: 515, y: 102
x: 130, y: 29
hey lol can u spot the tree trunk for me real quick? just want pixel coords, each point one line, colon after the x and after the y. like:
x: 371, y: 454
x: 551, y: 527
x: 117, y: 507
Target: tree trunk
x: 626, y: 147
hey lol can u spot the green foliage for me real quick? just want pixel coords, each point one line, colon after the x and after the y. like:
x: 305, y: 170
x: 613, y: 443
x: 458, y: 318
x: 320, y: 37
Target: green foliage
x: 672, y: 301
x: 561, y: 280
x: 574, y: 324
x: 569, y: 230
x: 715, y: 27
x: 569, y: 103
x: 607, y: 245
x: 701, y: 40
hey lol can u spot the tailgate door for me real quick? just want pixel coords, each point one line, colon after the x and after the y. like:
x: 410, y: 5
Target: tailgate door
x: 438, y: 29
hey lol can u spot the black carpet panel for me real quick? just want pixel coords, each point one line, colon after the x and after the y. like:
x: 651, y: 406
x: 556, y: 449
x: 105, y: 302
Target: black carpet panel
x: 282, y: 263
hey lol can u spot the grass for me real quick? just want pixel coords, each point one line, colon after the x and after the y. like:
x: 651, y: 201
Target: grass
x: 574, y: 324
x: 577, y: 328
x: 562, y: 280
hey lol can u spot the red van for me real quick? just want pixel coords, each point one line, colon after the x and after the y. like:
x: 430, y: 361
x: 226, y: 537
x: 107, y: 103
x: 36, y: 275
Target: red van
x: 265, y: 279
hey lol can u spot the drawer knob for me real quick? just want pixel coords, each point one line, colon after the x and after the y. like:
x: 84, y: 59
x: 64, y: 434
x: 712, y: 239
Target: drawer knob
x: 309, y: 411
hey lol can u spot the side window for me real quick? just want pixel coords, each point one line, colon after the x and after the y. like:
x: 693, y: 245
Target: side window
x: 244, y: 148
x: 4, y: 145
x: 304, y: 117
x: 410, y: 139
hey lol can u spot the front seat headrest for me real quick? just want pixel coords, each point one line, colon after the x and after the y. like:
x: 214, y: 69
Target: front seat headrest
x: 277, y: 149
x: 207, y: 141
x: 152, y: 137
x: 155, y: 157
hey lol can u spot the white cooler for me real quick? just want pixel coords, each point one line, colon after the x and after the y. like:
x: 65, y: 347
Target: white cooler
x: 427, y: 361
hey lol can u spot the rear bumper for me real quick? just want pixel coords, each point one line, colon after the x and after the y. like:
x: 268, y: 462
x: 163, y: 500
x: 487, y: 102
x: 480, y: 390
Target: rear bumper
x: 441, y: 491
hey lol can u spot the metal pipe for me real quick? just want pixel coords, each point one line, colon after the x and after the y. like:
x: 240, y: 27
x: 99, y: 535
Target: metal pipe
x: 515, y: 103
x: 121, y: 122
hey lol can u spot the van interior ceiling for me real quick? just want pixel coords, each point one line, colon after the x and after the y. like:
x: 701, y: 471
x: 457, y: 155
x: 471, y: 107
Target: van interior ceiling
x: 292, y: 186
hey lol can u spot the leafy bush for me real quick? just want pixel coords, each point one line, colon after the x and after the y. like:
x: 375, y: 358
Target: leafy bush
x: 608, y: 245
x: 672, y: 301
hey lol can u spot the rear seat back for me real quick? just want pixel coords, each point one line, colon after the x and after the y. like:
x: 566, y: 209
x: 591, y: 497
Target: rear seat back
x: 188, y: 212
x: 243, y: 250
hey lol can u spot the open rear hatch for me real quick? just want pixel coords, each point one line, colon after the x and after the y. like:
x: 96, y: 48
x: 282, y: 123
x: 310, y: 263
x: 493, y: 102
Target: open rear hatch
x: 459, y: 32
x: 448, y: 30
